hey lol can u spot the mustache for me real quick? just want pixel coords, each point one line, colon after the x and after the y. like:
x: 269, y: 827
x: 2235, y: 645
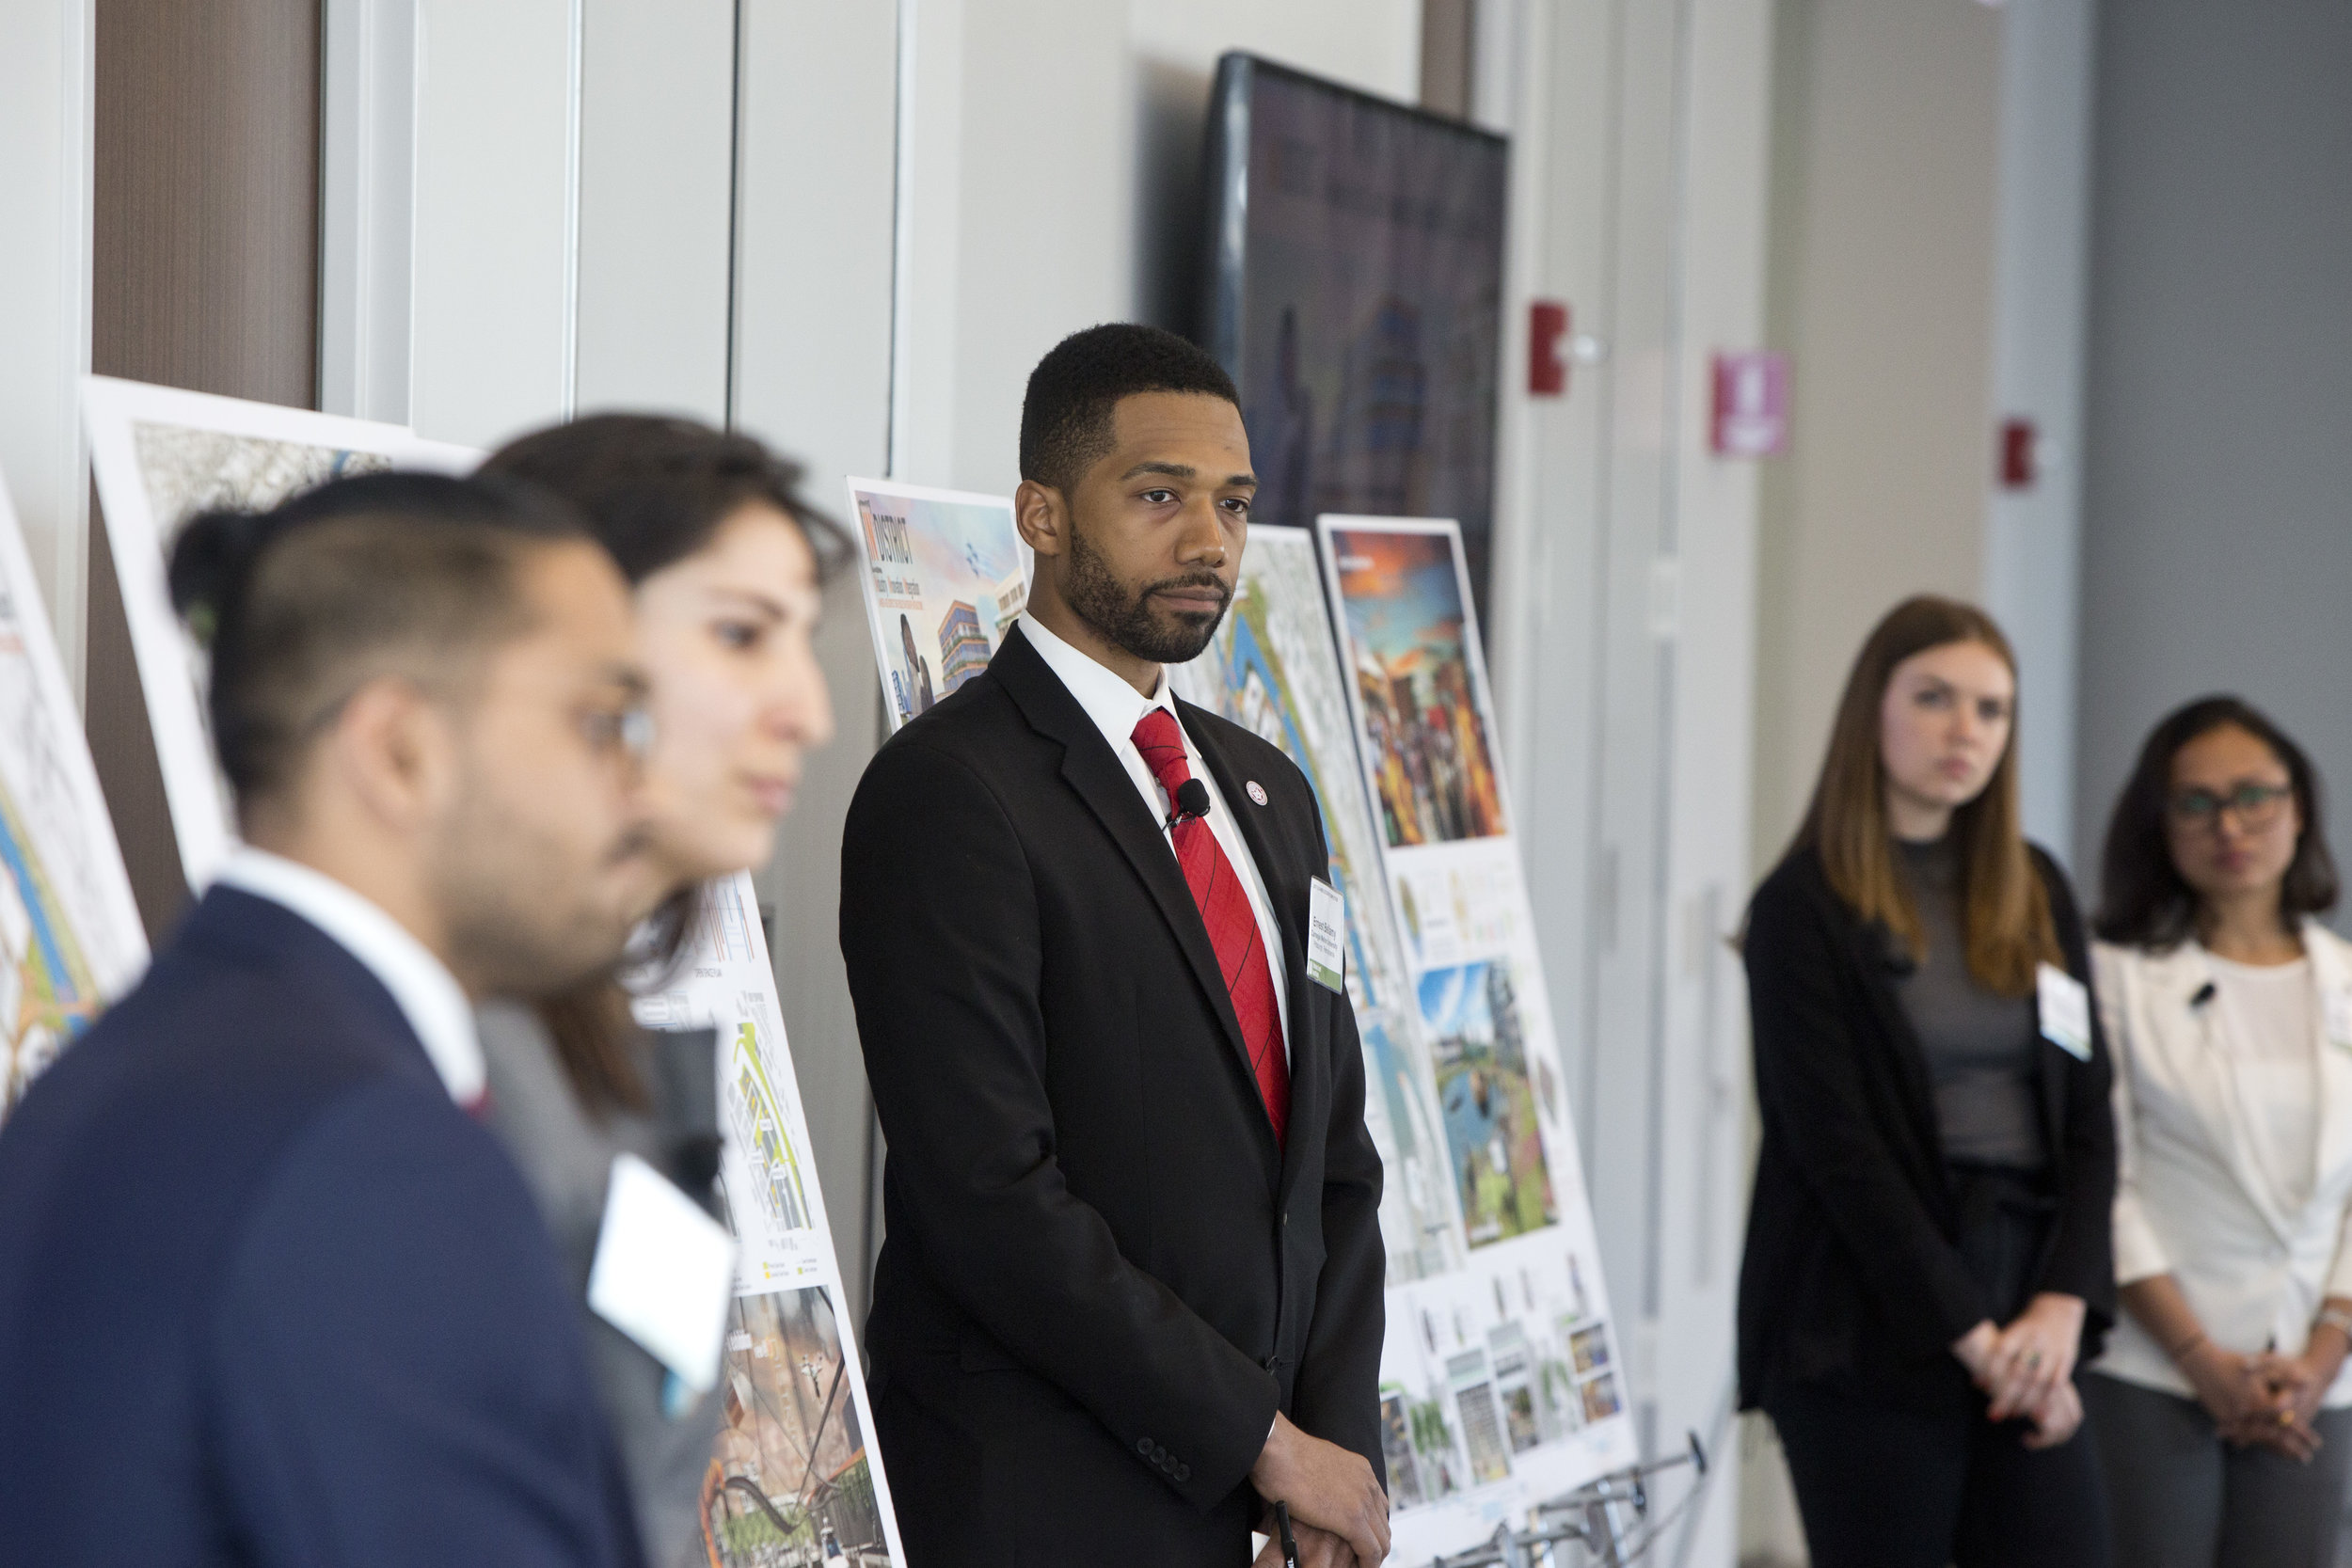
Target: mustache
x: 1208, y: 580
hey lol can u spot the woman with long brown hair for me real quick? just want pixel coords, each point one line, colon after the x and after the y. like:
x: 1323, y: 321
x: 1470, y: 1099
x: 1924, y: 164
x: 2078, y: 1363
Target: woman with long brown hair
x: 1928, y: 1256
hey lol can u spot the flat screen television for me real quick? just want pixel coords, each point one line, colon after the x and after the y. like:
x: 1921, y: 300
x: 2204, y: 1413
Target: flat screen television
x: 1354, y: 291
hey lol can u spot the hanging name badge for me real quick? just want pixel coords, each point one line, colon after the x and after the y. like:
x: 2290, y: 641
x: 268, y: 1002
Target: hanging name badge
x: 2065, y: 1012
x: 1327, y: 928
x: 664, y: 1273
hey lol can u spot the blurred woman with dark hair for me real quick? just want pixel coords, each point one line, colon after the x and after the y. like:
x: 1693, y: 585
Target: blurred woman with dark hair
x: 2222, y: 1412
x: 1928, y: 1247
x: 727, y: 561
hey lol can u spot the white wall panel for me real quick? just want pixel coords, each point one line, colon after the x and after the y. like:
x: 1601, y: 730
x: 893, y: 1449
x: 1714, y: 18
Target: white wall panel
x: 2033, y: 537
x: 492, y: 333
x: 656, y: 132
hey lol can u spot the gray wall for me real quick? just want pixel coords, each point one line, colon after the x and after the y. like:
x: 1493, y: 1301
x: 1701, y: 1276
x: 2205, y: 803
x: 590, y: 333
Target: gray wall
x: 2217, y: 527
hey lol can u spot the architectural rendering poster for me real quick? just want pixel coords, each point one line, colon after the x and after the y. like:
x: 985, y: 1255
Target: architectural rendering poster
x: 70, y: 934
x: 159, y: 455
x: 793, y: 1478
x: 1501, y: 1385
x: 945, y: 578
x: 1274, y: 670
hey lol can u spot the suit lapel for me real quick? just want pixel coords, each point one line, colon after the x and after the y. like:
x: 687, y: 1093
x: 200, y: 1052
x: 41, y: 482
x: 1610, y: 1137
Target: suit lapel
x: 1101, y: 781
x: 1287, y: 893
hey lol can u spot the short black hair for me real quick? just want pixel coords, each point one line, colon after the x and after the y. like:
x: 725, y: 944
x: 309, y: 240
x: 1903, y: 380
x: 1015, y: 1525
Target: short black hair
x: 1066, y: 413
x: 2143, y: 900
x: 386, y: 572
x: 655, y: 488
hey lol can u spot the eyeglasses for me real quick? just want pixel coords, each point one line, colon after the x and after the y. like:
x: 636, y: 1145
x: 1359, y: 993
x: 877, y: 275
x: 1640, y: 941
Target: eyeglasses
x: 626, y: 731
x: 2256, y: 805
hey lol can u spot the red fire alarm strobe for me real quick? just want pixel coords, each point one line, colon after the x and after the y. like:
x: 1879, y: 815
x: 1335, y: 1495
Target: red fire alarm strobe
x: 2021, y: 454
x: 1751, y: 405
x: 1546, y: 343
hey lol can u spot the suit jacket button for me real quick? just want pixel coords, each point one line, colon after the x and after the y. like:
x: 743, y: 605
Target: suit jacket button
x: 1143, y: 1447
x: 1183, y: 1472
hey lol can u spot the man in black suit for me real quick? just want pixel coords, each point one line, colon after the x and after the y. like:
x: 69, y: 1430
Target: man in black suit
x: 1130, y: 1294
x: 270, y: 1292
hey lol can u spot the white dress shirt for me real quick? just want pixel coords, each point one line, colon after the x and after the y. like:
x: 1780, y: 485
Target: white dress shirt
x: 427, y: 994
x: 2234, y: 1145
x: 1115, y: 708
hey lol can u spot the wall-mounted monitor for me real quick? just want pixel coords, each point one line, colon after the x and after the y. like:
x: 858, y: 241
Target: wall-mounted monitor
x: 1354, y: 290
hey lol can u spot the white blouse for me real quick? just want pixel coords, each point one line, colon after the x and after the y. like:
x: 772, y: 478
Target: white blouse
x: 2233, y: 1141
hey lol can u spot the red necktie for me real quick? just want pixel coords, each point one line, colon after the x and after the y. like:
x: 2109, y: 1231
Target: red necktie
x: 1225, y: 911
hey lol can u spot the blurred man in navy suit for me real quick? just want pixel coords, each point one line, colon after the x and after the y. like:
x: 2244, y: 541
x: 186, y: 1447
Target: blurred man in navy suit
x: 268, y: 1293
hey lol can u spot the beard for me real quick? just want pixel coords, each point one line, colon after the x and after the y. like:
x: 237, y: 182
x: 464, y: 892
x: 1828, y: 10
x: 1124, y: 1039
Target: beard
x: 1129, y: 619
x: 517, y: 906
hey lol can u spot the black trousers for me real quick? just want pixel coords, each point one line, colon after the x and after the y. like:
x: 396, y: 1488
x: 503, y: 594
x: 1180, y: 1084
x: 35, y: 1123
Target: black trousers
x: 1886, y: 1487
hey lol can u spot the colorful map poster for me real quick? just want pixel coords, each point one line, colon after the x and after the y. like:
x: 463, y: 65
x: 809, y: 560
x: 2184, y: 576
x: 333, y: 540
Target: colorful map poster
x: 159, y: 455
x: 70, y: 934
x: 793, y: 1478
x: 1499, y: 1377
x: 945, y: 578
x: 1273, y: 669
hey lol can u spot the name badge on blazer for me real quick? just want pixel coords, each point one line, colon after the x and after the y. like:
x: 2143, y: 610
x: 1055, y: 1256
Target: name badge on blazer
x: 2065, y: 1011
x: 663, y: 1274
x: 1327, y: 927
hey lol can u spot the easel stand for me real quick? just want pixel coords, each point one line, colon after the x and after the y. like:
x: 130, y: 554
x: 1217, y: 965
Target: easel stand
x: 1609, y: 1517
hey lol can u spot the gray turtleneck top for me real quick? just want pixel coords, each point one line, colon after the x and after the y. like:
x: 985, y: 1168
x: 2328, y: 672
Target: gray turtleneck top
x: 1980, y: 1046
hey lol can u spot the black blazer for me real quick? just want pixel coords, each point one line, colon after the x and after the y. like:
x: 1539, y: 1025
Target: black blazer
x: 1852, y: 1276
x: 1102, y: 1277
x: 268, y: 1296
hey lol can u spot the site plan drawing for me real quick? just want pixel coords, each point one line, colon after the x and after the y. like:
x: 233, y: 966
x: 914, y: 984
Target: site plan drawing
x: 70, y: 940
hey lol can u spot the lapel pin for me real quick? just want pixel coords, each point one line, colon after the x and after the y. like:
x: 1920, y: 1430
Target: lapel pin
x: 1257, y: 791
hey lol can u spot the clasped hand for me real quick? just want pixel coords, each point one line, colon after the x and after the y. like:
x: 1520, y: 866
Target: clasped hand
x: 2027, y: 1369
x: 2267, y: 1398
x: 1339, y: 1514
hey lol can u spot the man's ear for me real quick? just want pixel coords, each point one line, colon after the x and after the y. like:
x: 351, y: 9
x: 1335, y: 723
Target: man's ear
x: 393, y: 747
x: 1042, y: 516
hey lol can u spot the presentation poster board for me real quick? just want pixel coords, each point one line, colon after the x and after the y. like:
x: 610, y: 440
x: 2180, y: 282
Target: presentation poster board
x: 947, y: 574
x: 795, y: 1476
x: 159, y: 455
x: 69, y: 934
x: 1502, y: 1381
x: 1273, y: 669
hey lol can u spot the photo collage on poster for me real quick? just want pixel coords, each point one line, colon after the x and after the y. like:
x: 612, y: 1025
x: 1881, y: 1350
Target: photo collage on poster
x: 70, y: 940
x: 1500, y: 1383
x: 793, y: 1479
x: 1499, y: 1378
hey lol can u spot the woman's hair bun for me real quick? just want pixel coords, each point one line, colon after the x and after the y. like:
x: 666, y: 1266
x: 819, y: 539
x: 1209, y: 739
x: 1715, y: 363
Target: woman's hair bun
x: 211, y: 561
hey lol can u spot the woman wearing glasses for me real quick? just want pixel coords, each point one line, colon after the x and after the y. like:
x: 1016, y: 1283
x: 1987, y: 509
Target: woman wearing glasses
x: 2221, y: 1410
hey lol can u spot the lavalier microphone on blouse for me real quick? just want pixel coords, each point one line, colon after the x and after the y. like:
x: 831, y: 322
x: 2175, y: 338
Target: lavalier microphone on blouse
x: 2205, y: 994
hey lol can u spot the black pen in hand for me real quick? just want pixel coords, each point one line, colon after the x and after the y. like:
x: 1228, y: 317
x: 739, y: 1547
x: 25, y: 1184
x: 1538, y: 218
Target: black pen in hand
x: 1283, y: 1530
